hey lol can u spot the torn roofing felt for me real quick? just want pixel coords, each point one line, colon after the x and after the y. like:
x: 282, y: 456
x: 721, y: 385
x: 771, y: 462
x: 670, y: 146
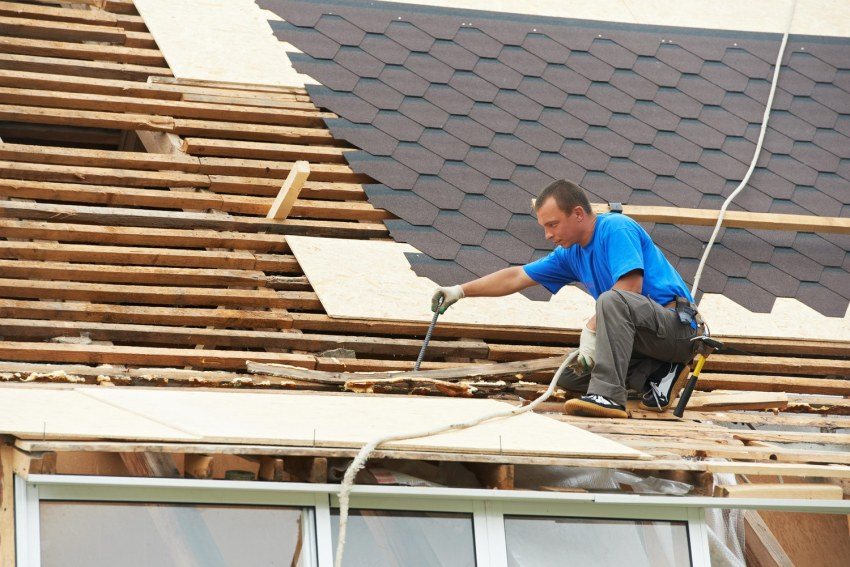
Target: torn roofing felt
x: 463, y: 116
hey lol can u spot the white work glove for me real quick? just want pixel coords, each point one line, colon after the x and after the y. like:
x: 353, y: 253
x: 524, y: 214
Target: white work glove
x: 582, y: 359
x: 450, y: 295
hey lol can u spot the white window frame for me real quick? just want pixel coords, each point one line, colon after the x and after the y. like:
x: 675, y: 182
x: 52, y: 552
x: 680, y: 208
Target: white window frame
x: 487, y: 507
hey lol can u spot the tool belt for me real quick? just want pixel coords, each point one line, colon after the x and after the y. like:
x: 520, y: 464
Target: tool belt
x: 687, y: 312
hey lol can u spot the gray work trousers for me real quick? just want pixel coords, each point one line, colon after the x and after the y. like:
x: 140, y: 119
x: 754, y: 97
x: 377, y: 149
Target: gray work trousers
x: 634, y: 334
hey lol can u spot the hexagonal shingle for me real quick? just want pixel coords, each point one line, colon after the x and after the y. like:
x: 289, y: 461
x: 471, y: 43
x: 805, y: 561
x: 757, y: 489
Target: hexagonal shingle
x: 497, y: 73
x: 521, y: 60
x: 542, y: 92
x: 423, y: 112
x: 427, y: 239
x: 340, y: 29
x: 507, y: 247
x: 473, y: 86
x: 453, y: 55
x: 481, y: 209
x: 419, y: 211
x: 447, y: 98
x: 403, y: 80
x: 490, y: 163
x: 409, y: 36
x: 462, y: 175
x: 545, y: 48
x: 459, y: 228
x: 478, y: 42
x: 443, y: 144
x: 438, y: 191
x: 468, y: 130
x: 514, y: 149
x: 418, y: 158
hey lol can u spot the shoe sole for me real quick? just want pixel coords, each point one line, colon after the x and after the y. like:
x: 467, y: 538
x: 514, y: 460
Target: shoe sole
x: 678, y: 386
x: 589, y: 409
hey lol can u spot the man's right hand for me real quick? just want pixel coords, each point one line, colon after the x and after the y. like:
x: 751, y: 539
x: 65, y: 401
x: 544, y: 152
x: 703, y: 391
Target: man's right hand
x: 449, y: 295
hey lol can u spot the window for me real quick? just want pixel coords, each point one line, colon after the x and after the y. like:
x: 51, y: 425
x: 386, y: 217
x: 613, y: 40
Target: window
x: 98, y: 534
x: 414, y: 539
x: 590, y: 542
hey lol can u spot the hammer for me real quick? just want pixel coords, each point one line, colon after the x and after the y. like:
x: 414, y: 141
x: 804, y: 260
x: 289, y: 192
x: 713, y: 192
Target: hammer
x: 705, y: 346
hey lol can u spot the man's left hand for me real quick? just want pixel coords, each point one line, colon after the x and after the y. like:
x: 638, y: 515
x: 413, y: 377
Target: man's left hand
x: 585, y: 356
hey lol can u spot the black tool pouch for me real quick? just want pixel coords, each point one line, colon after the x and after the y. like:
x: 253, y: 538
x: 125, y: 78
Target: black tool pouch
x: 686, y: 312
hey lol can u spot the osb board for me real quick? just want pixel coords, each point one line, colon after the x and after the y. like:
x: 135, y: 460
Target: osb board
x: 367, y: 279
x: 219, y: 40
x: 71, y: 414
x: 812, y: 17
x: 339, y: 421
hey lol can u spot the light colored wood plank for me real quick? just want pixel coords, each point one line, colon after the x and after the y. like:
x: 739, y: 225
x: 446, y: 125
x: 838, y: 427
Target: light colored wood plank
x: 98, y: 354
x: 262, y: 150
x: 7, y: 506
x: 278, y: 169
x: 790, y: 384
x: 54, y: 155
x: 181, y: 109
x: 49, y: 13
x: 144, y: 315
x: 159, y: 295
x: 63, y: 117
x: 60, y: 31
x: 132, y: 236
x: 735, y: 219
x: 169, y: 219
x: 256, y: 132
x: 183, y: 336
x: 80, y: 68
x: 795, y: 490
x: 289, y: 191
x: 64, y: 271
x: 240, y: 88
x: 160, y: 199
x: 101, y: 175
x: 246, y: 101
x: 127, y: 255
x: 762, y: 549
x: 88, y: 51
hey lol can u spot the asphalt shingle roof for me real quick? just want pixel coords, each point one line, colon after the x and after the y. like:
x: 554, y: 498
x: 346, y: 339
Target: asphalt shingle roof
x: 463, y: 116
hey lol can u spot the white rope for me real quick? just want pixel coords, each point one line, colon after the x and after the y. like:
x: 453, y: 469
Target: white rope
x: 360, y: 460
x: 746, y: 179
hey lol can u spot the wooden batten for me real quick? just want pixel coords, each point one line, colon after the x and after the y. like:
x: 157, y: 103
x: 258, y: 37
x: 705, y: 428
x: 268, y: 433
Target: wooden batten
x: 7, y: 504
x: 289, y: 191
x: 761, y: 547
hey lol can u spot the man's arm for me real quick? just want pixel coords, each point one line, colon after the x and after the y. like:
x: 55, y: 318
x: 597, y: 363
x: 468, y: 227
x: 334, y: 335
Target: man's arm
x: 497, y: 284
x: 633, y: 281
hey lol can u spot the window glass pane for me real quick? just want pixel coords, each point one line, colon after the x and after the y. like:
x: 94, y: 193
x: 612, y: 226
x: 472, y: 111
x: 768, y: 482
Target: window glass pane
x: 98, y: 534
x: 589, y: 542
x: 409, y: 539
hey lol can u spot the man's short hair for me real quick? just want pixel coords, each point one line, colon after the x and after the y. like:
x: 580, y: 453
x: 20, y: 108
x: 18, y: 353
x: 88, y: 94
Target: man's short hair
x: 567, y: 195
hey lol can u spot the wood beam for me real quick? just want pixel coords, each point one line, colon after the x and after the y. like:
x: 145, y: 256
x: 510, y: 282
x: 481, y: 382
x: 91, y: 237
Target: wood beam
x: 734, y: 219
x: 7, y: 504
x: 198, y: 466
x: 761, y: 547
x: 289, y: 191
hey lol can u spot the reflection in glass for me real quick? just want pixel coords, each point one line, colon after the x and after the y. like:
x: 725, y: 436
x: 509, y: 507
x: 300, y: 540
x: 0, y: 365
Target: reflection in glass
x: 95, y: 534
x: 533, y: 541
x: 409, y: 539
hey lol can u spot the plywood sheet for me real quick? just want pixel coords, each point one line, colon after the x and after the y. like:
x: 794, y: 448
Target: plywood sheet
x: 373, y: 280
x: 69, y: 414
x: 220, y: 40
x: 365, y: 279
x: 340, y: 421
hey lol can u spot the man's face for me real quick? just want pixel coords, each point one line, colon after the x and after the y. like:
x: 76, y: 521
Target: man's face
x: 559, y: 227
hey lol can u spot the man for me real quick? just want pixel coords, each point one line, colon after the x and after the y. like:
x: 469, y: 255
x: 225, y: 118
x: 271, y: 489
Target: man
x: 640, y: 335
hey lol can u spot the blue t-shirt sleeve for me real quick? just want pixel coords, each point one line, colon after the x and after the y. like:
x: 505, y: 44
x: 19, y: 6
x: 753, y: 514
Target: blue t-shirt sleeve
x: 623, y: 251
x: 551, y: 271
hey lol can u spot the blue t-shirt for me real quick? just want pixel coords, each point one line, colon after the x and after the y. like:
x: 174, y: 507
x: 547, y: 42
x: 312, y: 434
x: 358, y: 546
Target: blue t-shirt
x: 618, y: 246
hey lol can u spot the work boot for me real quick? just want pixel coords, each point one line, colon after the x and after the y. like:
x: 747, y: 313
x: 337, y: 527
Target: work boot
x: 663, y: 386
x: 594, y: 405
